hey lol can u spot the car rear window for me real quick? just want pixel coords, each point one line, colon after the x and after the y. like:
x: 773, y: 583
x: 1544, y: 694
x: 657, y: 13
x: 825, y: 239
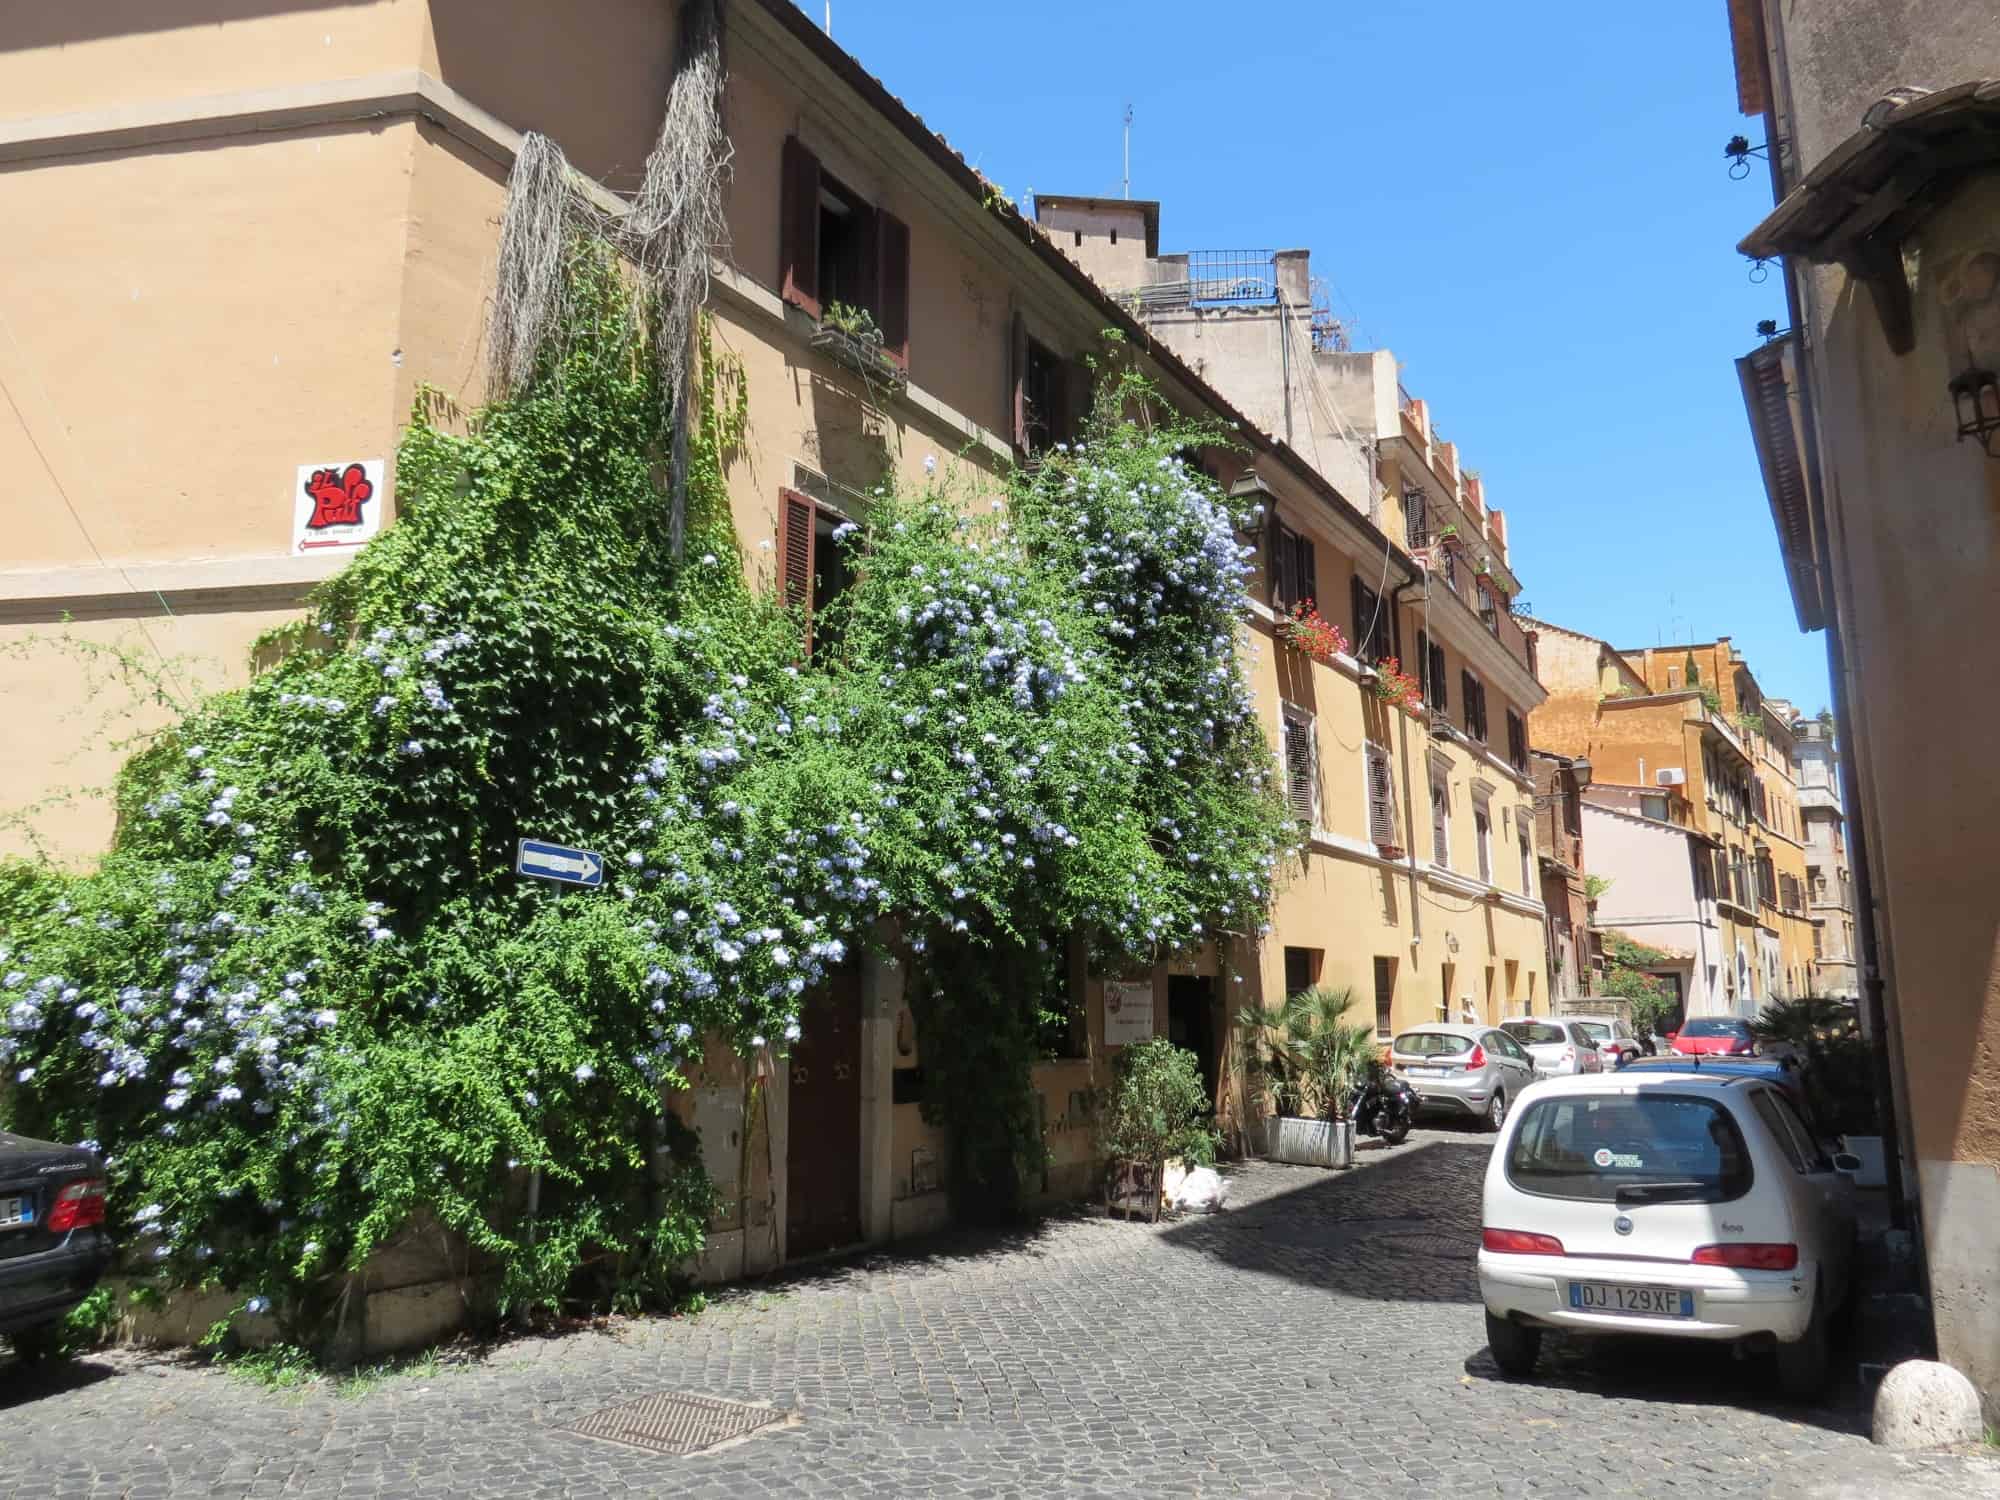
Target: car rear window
x: 1597, y: 1031
x: 1677, y: 1147
x: 1533, y: 1033
x: 1714, y: 1026
x: 1432, y: 1044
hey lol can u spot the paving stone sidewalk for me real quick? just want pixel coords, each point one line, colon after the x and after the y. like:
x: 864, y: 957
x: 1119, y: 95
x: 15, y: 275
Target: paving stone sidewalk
x: 1321, y: 1336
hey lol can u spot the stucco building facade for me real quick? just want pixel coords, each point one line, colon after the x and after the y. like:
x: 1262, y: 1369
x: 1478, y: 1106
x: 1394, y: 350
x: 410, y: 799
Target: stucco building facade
x: 1875, y: 409
x: 1421, y: 890
x: 169, y: 406
x: 1829, y: 881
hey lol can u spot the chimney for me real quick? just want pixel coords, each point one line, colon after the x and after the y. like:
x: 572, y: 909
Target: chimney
x: 1496, y: 528
x: 1293, y: 268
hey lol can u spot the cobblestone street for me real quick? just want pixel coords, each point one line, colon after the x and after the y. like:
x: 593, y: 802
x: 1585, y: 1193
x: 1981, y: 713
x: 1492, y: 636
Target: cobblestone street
x: 1322, y: 1335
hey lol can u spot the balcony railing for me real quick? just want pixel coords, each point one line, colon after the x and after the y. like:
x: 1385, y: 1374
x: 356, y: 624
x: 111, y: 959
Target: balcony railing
x: 1232, y: 278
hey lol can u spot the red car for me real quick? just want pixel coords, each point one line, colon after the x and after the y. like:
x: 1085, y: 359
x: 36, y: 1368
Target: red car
x: 1714, y: 1036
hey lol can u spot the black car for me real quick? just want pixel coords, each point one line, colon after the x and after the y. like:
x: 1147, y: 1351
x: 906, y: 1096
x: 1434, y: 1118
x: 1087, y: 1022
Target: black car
x: 53, y: 1245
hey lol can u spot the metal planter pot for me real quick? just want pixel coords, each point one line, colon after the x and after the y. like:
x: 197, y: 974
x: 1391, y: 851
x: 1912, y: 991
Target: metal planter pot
x: 1311, y: 1143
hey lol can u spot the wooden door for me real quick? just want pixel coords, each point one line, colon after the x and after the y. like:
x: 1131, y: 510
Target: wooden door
x: 823, y: 1133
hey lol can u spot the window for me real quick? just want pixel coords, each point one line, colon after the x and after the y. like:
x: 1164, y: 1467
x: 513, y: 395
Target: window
x: 1673, y: 678
x: 1482, y: 836
x: 1527, y: 863
x: 1372, y: 639
x: 1440, y: 822
x: 833, y: 246
x: 813, y: 570
x: 1381, y: 798
x: 1301, y: 766
x: 1474, y: 693
x: 1301, y: 969
x: 1652, y: 806
x: 1417, y: 519
x: 1819, y: 943
x: 1662, y: 1148
x: 1050, y: 413
x: 1517, y: 741
x: 1292, y: 575
x: 1385, y: 996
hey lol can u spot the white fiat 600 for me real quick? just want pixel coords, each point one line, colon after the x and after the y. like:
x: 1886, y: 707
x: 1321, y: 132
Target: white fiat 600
x: 1669, y: 1204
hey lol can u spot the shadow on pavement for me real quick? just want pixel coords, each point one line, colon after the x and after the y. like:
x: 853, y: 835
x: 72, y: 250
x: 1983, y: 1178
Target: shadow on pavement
x: 22, y: 1383
x: 1681, y: 1374
x: 1402, y: 1225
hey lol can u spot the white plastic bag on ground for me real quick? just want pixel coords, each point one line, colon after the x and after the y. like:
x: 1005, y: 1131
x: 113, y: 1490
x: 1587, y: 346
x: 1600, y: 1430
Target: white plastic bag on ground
x: 1202, y: 1190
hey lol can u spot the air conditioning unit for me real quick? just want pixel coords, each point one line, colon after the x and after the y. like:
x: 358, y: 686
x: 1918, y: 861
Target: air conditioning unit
x: 1670, y: 776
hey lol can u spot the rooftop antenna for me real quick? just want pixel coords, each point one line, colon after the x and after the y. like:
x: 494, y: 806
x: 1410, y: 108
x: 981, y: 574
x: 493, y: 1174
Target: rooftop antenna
x: 1128, y: 150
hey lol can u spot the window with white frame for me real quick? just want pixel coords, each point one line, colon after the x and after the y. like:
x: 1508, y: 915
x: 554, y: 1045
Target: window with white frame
x: 1301, y: 766
x: 1440, y: 820
x: 1381, y: 799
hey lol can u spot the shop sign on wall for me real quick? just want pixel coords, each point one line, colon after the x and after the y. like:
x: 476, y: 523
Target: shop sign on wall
x: 1128, y: 1011
x: 336, y: 506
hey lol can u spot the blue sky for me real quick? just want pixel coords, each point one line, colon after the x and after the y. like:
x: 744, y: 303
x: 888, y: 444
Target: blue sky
x: 1527, y: 203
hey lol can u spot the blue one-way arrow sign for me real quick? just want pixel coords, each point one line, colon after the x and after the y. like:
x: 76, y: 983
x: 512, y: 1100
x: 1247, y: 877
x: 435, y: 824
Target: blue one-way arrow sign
x: 554, y: 862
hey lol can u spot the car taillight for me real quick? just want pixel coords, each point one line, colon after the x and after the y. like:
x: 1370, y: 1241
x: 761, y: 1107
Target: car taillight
x: 1569, y: 1054
x: 79, y: 1205
x: 1520, y: 1242
x: 1476, y: 1058
x: 1748, y: 1257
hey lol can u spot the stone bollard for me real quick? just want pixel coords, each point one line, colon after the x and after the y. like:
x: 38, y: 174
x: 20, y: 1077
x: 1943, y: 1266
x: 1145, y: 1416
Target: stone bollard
x: 1921, y: 1404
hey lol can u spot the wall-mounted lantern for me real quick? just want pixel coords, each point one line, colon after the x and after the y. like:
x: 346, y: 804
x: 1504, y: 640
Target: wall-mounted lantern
x: 1975, y: 400
x: 1263, y: 503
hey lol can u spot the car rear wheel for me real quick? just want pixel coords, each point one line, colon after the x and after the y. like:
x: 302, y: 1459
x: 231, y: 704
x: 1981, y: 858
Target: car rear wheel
x: 1515, y: 1346
x: 1802, y: 1366
x: 33, y: 1345
x: 1496, y: 1110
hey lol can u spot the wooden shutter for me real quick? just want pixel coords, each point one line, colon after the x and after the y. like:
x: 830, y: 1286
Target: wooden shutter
x: 1307, y: 568
x: 1299, y: 768
x: 1467, y: 686
x: 1357, y: 594
x: 892, y: 239
x: 1282, y: 559
x: 795, y: 554
x: 798, y: 227
x: 1416, y: 516
x: 1381, y: 797
x: 1423, y: 664
x: 1517, y: 741
x: 1438, y: 679
x: 1017, y: 366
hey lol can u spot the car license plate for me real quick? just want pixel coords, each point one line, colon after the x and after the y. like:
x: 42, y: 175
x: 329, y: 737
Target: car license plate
x: 16, y: 1213
x: 1425, y: 1072
x: 1645, y: 1301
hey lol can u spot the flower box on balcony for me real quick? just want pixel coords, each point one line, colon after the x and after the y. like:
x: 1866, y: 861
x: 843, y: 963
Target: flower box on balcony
x: 1309, y: 635
x: 861, y: 354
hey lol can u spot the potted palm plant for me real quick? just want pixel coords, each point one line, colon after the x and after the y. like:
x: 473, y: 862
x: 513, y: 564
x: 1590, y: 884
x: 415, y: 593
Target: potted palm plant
x: 1311, y: 1060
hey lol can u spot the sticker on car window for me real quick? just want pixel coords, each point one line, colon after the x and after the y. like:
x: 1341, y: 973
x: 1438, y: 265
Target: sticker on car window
x: 1606, y: 1157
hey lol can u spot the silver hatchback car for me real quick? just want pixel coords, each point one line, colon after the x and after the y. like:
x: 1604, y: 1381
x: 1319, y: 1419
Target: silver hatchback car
x: 1463, y: 1070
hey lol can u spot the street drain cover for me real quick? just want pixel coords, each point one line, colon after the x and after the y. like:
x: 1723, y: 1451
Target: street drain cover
x: 1436, y: 1246
x: 679, y: 1424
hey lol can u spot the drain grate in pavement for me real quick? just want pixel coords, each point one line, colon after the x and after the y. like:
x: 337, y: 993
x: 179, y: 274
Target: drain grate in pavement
x: 1436, y: 1246
x: 679, y: 1424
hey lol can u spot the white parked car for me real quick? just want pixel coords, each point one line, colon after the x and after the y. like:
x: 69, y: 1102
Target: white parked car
x: 1615, y: 1042
x: 1671, y: 1204
x: 1559, y: 1047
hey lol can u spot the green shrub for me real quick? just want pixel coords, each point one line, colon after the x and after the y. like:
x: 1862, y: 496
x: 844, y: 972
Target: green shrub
x: 1158, y: 1107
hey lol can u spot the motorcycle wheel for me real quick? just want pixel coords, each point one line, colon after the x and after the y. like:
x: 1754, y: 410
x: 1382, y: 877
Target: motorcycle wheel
x: 1394, y: 1121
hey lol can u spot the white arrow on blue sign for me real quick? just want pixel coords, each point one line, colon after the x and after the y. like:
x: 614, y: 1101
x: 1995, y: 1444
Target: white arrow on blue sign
x: 554, y: 862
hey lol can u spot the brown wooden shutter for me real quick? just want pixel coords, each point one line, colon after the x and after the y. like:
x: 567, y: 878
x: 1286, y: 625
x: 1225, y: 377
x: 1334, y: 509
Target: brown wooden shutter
x: 1357, y: 596
x: 798, y: 227
x: 1017, y: 367
x: 1422, y: 664
x: 1381, y: 797
x: 1439, y: 679
x: 1467, y: 687
x: 1281, y: 559
x: 1299, y: 769
x: 892, y: 238
x: 795, y: 553
x: 1307, y: 568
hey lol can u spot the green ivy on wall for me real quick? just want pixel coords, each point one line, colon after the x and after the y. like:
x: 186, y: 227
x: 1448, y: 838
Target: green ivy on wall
x: 305, y: 999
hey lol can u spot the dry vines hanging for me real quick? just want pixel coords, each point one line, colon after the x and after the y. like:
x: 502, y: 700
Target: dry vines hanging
x: 672, y: 227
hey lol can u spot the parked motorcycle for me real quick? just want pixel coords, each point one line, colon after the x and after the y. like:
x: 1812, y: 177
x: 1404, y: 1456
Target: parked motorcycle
x: 1386, y: 1106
